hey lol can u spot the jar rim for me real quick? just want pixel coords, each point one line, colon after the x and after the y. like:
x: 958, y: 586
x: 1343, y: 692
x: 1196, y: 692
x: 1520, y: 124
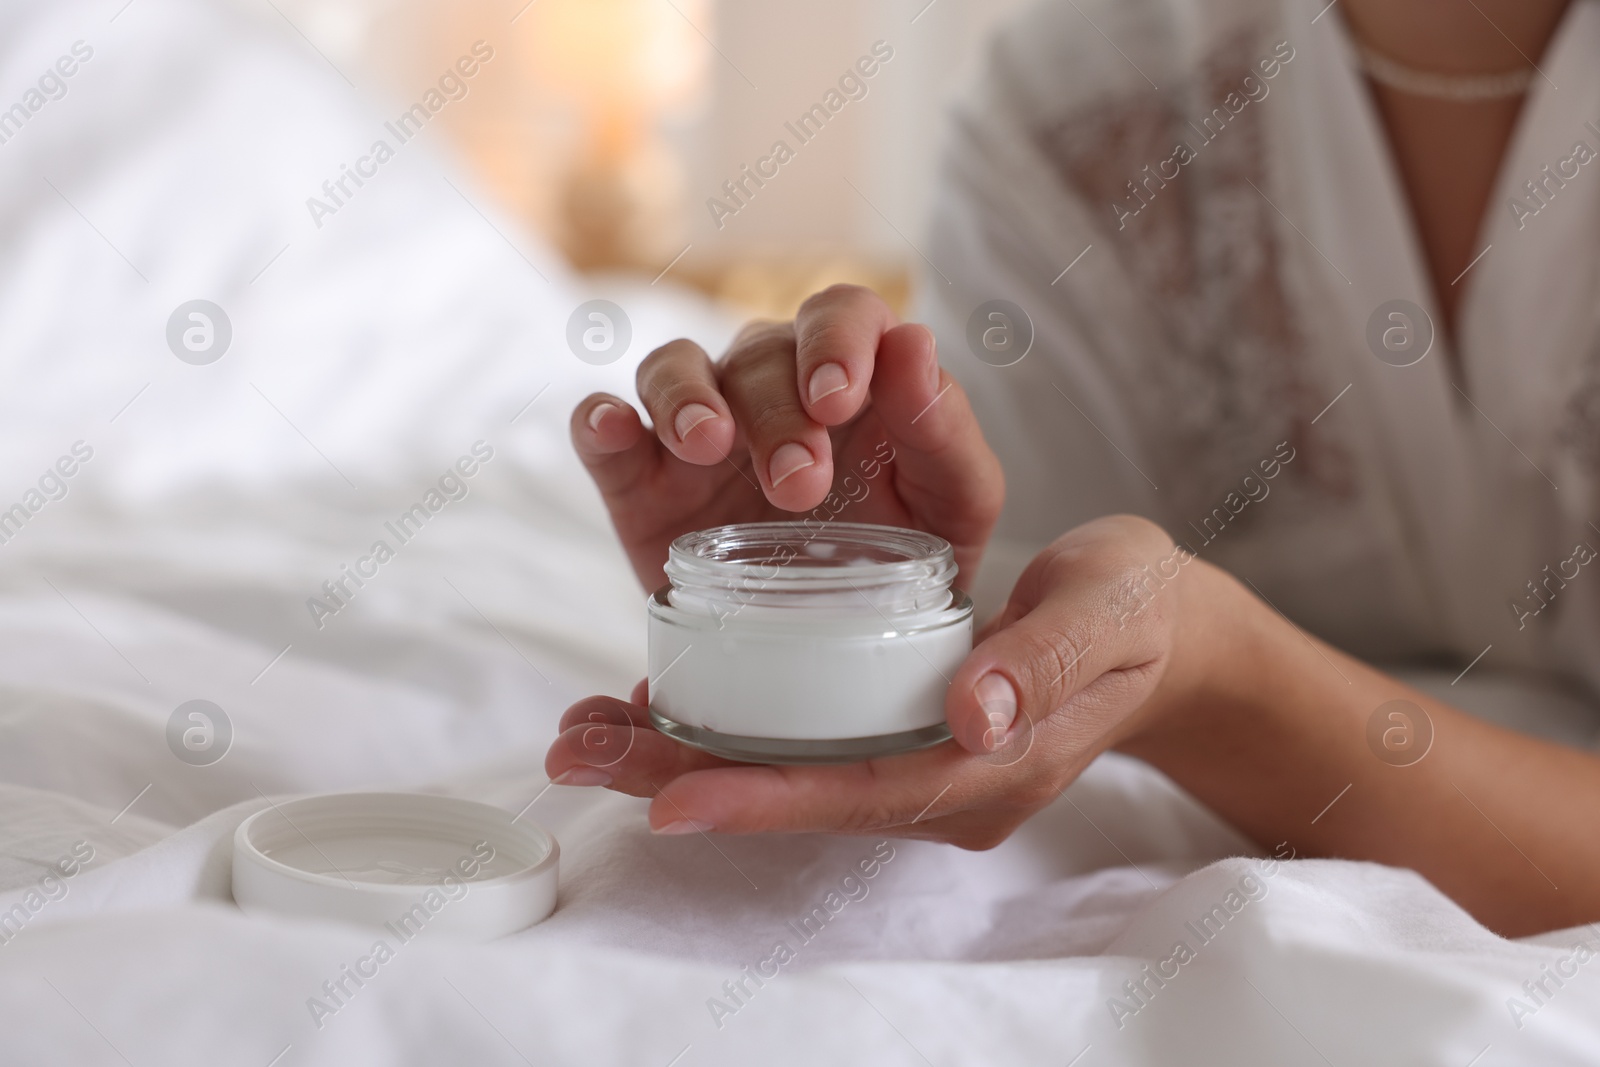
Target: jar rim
x: 786, y: 558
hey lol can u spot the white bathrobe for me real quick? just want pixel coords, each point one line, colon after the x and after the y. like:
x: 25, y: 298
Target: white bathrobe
x: 1217, y: 320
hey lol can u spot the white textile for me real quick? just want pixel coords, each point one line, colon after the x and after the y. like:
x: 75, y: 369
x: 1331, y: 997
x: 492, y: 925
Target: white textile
x: 368, y: 356
x: 1223, y: 313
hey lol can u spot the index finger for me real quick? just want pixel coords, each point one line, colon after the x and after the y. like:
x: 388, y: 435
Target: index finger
x: 836, y: 345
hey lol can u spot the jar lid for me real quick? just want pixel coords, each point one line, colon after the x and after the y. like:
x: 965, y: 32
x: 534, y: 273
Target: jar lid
x: 402, y: 862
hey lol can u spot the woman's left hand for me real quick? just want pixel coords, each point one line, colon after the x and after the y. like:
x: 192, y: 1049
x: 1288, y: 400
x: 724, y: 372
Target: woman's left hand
x: 1102, y: 641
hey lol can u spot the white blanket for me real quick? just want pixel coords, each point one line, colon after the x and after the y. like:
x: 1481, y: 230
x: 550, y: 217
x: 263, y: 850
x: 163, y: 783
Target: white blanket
x: 366, y: 358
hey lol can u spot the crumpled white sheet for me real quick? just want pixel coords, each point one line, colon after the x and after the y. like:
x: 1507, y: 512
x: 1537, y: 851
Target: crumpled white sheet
x: 178, y: 565
x: 1012, y: 956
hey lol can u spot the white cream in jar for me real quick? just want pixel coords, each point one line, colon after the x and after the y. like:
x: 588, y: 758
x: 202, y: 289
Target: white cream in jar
x: 785, y: 642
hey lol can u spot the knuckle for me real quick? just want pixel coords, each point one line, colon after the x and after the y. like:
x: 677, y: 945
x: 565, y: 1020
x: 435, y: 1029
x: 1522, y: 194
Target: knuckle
x: 772, y: 420
x: 1120, y: 567
x: 1134, y: 594
x: 752, y: 357
x: 663, y: 368
x: 1126, y: 576
x: 1052, y: 664
x: 757, y: 334
x: 832, y: 335
x: 1060, y: 563
x: 1032, y: 795
x: 679, y: 346
x: 837, y: 293
x: 873, y: 815
x: 1140, y: 534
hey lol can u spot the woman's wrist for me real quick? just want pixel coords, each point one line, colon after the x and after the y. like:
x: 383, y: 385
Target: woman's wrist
x: 1222, y: 636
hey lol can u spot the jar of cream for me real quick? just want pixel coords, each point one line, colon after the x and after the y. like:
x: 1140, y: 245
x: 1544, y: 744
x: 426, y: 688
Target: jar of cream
x: 785, y: 642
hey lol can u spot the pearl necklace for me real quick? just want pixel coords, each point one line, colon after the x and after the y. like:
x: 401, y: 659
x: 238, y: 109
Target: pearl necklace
x: 1458, y: 87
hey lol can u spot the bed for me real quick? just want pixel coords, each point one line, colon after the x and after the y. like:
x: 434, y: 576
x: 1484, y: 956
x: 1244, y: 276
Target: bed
x: 369, y: 351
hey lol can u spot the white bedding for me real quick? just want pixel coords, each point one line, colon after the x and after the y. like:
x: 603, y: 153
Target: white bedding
x: 178, y: 564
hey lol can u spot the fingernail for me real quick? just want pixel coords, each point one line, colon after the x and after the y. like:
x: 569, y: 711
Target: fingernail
x: 600, y: 411
x: 788, y: 459
x: 827, y: 380
x: 691, y: 416
x: 582, y: 776
x: 998, y: 699
x: 684, y: 826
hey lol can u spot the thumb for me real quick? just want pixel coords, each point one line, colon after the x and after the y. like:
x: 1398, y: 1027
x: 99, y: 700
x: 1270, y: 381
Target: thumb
x: 1087, y: 624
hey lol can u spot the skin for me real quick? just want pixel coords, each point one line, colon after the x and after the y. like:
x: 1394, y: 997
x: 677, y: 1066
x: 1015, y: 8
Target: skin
x: 1448, y: 152
x: 1190, y: 672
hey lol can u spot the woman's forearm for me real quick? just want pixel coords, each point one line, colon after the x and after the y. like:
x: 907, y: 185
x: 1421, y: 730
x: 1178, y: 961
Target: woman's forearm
x: 1277, y: 737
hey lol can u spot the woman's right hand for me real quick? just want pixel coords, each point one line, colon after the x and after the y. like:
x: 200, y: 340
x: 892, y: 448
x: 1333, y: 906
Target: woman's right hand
x: 843, y: 413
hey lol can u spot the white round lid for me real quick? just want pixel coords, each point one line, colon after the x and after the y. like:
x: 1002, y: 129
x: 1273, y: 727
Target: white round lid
x: 402, y: 862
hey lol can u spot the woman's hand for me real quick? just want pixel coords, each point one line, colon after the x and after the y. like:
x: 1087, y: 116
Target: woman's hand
x: 1113, y: 638
x: 792, y: 411
x: 1101, y: 641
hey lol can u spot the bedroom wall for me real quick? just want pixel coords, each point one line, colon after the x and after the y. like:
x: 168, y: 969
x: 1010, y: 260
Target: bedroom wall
x: 849, y: 205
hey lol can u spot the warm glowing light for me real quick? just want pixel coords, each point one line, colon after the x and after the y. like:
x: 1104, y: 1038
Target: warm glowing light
x: 628, y: 55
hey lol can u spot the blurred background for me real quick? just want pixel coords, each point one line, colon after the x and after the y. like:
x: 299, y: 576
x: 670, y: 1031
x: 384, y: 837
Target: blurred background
x: 607, y: 125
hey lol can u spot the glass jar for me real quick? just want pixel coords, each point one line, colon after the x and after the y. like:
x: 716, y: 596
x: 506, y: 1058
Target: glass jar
x: 788, y: 642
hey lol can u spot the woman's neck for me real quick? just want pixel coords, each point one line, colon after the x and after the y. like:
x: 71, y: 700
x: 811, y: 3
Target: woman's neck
x: 1449, y: 152
x: 1456, y: 36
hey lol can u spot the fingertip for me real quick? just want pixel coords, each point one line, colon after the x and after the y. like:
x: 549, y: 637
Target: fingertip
x: 797, y: 476
x: 997, y: 702
x: 604, y: 424
x: 982, y: 704
x: 825, y: 381
x: 837, y: 336
x: 594, y: 747
x: 559, y: 758
x: 678, y: 386
x: 788, y: 460
x: 699, y: 434
x: 667, y: 815
x: 690, y: 417
x: 831, y: 393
